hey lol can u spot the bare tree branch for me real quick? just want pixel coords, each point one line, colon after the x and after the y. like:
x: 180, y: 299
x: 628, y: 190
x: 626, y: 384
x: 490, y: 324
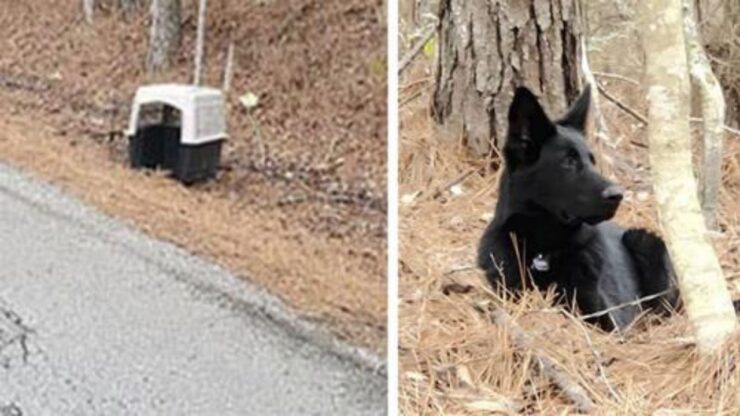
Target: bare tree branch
x: 417, y: 47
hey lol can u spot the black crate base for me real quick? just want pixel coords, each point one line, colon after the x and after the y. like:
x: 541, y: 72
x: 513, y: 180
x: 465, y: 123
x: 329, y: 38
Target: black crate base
x: 159, y: 147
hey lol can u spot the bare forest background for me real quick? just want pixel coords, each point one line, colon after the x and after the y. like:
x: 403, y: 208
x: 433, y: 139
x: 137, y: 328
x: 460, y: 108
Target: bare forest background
x: 454, y: 357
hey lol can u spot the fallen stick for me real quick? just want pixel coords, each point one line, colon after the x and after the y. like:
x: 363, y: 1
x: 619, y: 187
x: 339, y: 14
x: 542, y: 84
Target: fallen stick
x: 438, y: 192
x: 418, y: 46
x: 635, y: 302
x: 523, y: 341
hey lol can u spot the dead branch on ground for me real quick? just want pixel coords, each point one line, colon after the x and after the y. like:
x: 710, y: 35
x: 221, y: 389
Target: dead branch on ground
x: 523, y: 341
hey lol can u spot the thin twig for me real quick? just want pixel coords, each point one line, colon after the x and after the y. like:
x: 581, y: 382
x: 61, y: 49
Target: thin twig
x: 622, y: 105
x: 414, y: 83
x: 418, y: 46
x: 626, y: 304
x: 729, y: 129
x: 549, y: 368
x: 602, y: 130
x: 724, y: 126
x: 615, y: 76
x: 642, y: 119
x: 459, y: 269
x: 412, y: 97
x: 258, y: 135
x: 438, y: 192
x: 638, y: 144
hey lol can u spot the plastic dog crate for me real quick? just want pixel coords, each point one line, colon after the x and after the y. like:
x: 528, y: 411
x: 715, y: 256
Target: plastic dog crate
x: 179, y: 128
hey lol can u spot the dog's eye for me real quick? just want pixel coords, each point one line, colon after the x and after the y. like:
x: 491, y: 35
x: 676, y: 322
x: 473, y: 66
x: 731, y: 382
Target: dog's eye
x: 570, y: 161
x: 592, y: 159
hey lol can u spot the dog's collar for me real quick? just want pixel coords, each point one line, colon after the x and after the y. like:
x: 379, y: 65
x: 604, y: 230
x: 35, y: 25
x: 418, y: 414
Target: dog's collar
x: 541, y: 263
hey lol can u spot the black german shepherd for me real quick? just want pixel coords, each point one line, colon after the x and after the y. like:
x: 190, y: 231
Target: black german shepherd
x: 551, y: 223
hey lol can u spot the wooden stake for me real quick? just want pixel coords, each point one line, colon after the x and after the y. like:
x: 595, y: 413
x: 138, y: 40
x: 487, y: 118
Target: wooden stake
x: 229, y: 67
x: 203, y: 4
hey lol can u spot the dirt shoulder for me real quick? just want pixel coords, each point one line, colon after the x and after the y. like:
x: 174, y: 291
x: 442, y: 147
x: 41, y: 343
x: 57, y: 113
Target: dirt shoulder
x: 277, y: 215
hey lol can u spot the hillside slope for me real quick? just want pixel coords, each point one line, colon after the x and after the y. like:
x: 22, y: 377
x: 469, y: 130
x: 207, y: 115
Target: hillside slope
x: 299, y: 205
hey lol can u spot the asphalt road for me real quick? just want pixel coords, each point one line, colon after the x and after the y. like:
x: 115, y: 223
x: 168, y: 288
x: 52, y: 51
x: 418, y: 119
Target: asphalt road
x: 97, y: 319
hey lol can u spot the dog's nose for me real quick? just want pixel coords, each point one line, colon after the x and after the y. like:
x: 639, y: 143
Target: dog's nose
x: 613, y: 193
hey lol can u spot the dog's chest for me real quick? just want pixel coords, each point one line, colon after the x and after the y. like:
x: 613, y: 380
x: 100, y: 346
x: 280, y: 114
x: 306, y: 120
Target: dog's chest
x: 564, y: 269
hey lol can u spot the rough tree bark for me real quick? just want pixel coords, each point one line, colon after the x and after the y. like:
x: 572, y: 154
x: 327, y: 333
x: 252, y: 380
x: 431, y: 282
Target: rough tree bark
x: 700, y: 279
x: 165, y: 33
x: 487, y: 48
x: 200, y: 41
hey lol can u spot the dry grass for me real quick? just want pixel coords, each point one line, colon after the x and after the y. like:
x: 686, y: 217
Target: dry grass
x: 312, y: 275
x: 310, y: 225
x: 454, y: 360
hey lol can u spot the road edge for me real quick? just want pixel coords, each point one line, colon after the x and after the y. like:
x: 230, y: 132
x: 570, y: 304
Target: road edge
x: 226, y: 286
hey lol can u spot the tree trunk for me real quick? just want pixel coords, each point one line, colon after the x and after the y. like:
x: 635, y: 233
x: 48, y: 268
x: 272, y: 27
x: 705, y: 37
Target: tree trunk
x: 88, y: 8
x: 200, y: 40
x: 165, y: 33
x: 487, y: 48
x: 700, y: 279
x: 719, y: 32
x: 713, y: 115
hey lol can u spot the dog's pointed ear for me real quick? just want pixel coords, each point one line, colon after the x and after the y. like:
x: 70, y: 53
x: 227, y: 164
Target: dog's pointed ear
x: 529, y: 127
x: 577, y: 116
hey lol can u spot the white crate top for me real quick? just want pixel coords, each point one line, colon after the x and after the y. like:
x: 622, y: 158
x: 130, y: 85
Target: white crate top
x: 201, y: 110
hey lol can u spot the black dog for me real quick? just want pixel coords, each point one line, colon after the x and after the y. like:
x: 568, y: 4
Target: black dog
x: 550, y: 225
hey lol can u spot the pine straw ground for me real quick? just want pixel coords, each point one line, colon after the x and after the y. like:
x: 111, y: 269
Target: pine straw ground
x: 454, y: 360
